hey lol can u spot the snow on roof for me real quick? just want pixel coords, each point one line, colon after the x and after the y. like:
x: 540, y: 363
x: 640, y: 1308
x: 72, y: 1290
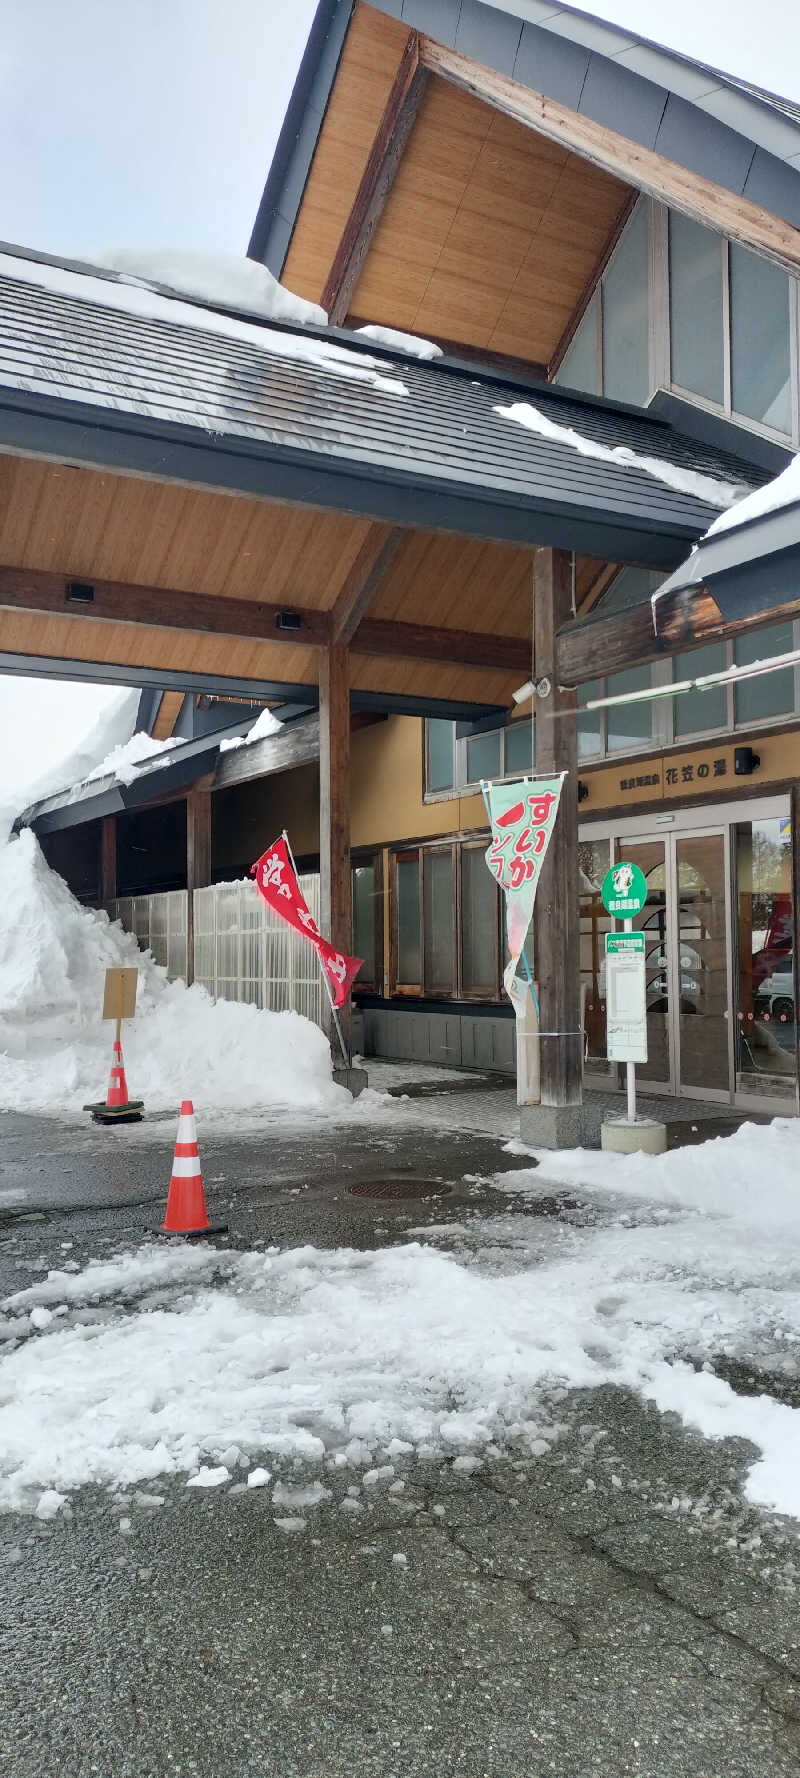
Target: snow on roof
x: 410, y: 343
x: 132, y: 297
x: 686, y: 481
x: 783, y: 491
x: 265, y: 724
x: 225, y: 280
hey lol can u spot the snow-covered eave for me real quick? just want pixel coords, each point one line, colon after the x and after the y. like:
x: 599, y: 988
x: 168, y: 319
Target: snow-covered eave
x: 767, y: 534
x: 155, y: 778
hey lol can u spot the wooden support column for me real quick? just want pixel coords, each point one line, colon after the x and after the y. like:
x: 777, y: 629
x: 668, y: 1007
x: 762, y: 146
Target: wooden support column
x: 198, y: 861
x: 556, y: 913
x: 336, y: 889
x: 108, y: 858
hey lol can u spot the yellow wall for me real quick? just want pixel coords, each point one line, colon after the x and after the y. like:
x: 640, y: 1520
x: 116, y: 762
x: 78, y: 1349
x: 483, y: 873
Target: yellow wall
x: 386, y: 788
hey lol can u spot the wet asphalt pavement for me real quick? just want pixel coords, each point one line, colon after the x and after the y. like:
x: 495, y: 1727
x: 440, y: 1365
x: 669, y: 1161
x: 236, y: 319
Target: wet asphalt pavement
x: 611, y: 1606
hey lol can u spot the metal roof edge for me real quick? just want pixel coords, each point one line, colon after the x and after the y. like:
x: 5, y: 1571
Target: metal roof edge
x: 299, y: 133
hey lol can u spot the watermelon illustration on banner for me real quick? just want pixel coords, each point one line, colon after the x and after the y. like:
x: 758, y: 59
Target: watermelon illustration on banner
x: 277, y: 882
x: 523, y: 816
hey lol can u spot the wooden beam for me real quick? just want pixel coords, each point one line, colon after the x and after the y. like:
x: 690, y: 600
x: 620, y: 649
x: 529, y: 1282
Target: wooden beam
x: 198, y: 861
x: 24, y: 589
x: 710, y: 205
x: 374, y: 558
x: 452, y: 647
x: 556, y: 913
x: 335, y: 881
x: 108, y: 858
x: 296, y: 746
x: 588, y: 649
x: 163, y: 608
x: 377, y: 179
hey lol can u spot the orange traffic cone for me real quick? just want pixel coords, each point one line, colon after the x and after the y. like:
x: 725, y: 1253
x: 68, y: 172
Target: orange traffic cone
x: 186, y: 1201
x: 116, y: 1108
x: 117, y: 1085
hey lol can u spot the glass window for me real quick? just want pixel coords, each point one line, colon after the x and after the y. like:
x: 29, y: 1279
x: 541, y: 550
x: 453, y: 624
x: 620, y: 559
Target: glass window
x: 626, y: 374
x: 408, y: 945
x: 590, y: 722
x: 760, y: 700
x: 580, y: 364
x: 760, y: 358
x: 695, y: 308
x: 478, y: 923
x: 696, y: 711
x: 519, y: 754
x: 483, y: 757
x: 628, y: 725
x: 765, y: 1011
x: 364, y: 921
x: 439, y: 737
x: 439, y: 905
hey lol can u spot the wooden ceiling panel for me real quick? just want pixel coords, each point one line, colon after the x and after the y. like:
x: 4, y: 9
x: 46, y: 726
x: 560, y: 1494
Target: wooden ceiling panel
x: 87, y: 524
x: 135, y: 645
x: 490, y: 233
x: 167, y: 715
x: 370, y: 59
x: 459, y: 584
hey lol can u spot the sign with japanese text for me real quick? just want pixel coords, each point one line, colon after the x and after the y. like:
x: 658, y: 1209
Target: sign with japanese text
x: 523, y: 816
x: 276, y: 881
x: 624, y: 890
x: 626, y: 997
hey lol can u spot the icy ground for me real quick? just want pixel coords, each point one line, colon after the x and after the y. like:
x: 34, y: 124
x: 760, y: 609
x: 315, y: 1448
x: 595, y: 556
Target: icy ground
x: 463, y: 1343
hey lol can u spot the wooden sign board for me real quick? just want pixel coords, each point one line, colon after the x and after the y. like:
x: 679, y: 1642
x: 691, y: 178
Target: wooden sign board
x: 119, y: 999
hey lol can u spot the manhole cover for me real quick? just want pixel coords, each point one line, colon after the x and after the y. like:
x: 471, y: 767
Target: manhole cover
x: 398, y: 1188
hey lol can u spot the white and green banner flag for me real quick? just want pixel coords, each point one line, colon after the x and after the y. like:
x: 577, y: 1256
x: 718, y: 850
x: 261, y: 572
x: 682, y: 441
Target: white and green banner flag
x: 523, y: 816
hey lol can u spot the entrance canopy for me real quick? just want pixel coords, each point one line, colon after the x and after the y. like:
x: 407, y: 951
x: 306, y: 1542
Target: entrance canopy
x: 190, y: 497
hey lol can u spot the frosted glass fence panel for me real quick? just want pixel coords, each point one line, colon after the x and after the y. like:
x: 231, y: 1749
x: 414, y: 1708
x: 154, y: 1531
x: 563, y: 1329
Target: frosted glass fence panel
x: 159, y: 923
x: 242, y: 951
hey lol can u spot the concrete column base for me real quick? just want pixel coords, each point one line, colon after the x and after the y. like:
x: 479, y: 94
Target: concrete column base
x: 643, y: 1137
x: 354, y: 1079
x: 552, y: 1126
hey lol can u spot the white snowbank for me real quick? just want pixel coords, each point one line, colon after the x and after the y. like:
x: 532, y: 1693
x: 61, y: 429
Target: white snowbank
x: 410, y: 343
x: 138, y: 299
x: 123, y: 762
x: 224, y: 278
x: 686, y: 481
x: 753, y: 1175
x: 266, y: 724
x: 55, y: 1050
x: 783, y: 491
x: 173, y: 1361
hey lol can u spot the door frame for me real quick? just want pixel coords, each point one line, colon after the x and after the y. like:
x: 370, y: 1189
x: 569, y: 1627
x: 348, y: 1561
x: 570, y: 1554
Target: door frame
x: 698, y: 820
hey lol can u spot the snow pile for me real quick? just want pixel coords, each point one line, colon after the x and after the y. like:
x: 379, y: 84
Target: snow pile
x: 727, y: 1176
x: 783, y: 491
x: 169, y: 1362
x: 225, y: 279
x: 266, y: 724
x: 686, y: 481
x: 138, y: 299
x: 55, y: 1050
x: 123, y: 762
x: 410, y: 343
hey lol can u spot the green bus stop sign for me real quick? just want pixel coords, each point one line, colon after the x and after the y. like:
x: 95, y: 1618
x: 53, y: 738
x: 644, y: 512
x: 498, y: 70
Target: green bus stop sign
x: 624, y: 890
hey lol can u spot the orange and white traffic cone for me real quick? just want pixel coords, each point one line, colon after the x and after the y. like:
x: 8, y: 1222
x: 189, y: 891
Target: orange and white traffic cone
x: 116, y: 1108
x: 117, y: 1094
x: 186, y: 1201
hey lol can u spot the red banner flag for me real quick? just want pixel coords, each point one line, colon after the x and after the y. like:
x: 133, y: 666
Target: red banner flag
x: 277, y: 882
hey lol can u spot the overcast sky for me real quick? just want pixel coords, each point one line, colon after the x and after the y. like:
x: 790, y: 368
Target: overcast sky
x: 152, y: 123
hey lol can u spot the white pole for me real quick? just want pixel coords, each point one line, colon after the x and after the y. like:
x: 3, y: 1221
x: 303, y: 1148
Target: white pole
x: 630, y: 1067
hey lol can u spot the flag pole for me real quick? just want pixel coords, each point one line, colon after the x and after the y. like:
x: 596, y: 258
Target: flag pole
x: 323, y: 972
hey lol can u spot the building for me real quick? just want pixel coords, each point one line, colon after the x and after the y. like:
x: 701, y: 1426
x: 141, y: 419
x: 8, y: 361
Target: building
x: 601, y: 239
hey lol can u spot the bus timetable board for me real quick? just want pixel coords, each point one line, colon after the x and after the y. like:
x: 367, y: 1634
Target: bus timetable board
x: 626, y: 1001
